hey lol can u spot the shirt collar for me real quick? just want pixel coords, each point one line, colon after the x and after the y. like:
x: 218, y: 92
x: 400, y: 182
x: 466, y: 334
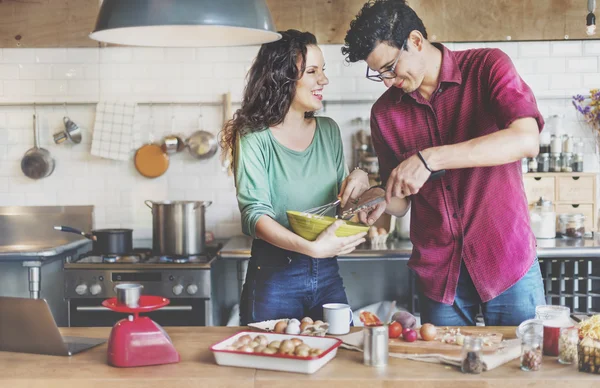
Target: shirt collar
x: 449, y: 73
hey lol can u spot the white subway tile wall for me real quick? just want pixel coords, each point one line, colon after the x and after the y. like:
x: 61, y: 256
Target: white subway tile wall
x: 554, y: 70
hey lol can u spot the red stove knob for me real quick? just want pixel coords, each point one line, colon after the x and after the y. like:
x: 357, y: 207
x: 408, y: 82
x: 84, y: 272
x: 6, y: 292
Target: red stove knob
x: 95, y: 289
x: 177, y: 289
x: 192, y: 289
x: 81, y: 289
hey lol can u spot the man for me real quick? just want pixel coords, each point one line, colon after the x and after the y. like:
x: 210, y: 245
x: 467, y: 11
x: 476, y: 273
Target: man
x: 469, y: 113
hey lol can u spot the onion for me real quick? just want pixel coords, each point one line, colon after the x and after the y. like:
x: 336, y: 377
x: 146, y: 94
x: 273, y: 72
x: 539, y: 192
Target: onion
x: 406, y: 319
x: 428, y: 332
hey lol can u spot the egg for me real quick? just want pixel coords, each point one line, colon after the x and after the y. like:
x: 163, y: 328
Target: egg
x: 280, y: 327
x: 304, y: 325
x: 292, y: 329
x: 373, y: 232
x: 307, y: 319
x: 381, y: 231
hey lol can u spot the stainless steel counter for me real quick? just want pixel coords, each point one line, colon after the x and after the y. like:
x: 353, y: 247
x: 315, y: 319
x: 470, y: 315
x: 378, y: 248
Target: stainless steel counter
x: 238, y: 248
x: 39, y: 252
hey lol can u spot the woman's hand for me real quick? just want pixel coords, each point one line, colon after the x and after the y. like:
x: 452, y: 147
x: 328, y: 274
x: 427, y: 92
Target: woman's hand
x: 328, y: 244
x: 353, y: 186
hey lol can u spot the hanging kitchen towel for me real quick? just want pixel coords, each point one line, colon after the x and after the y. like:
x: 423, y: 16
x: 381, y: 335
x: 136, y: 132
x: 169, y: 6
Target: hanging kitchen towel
x: 116, y: 132
x: 510, y: 350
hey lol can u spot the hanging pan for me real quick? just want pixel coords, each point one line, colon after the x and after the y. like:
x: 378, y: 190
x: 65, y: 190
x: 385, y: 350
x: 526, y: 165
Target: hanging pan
x: 37, y: 162
x: 202, y: 144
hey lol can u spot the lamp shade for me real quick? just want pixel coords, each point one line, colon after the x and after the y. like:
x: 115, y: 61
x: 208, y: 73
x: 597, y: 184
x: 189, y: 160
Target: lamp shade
x: 185, y: 23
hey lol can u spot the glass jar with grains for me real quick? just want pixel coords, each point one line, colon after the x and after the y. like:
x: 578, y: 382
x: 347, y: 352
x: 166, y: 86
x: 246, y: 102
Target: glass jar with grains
x: 531, y: 352
x: 471, y: 355
x: 571, y: 225
x: 567, y: 345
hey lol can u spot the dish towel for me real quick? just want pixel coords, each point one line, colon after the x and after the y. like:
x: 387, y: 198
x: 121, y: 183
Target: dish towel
x: 115, y: 130
x: 510, y: 350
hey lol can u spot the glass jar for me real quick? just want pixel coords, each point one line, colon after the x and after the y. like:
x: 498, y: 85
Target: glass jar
x: 543, y: 163
x: 566, y: 162
x: 531, y: 352
x: 555, y: 165
x: 567, y: 345
x: 567, y: 145
x: 524, y: 165
x: 543, y: 219
x: 555, y: 144
x: 571, y: 225
x: 577, y: 163
x: 533, y: 165
x: 471, y: 355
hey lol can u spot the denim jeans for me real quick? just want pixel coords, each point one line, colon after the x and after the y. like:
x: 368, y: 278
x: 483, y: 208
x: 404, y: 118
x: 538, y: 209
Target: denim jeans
x: 285, y: 284
x: 510, y: 308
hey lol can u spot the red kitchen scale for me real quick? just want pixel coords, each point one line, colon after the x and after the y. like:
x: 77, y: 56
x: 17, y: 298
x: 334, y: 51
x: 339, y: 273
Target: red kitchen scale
x: 139, y: 341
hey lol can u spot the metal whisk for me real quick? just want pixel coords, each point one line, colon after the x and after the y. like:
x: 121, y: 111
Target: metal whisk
x: 323, y: 209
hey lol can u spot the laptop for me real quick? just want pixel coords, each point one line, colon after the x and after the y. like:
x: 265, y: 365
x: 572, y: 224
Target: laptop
x: 27, y: 326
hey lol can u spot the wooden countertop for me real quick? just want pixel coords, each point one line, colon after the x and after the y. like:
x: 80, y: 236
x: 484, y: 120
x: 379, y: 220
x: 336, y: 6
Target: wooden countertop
x: 198, y: 369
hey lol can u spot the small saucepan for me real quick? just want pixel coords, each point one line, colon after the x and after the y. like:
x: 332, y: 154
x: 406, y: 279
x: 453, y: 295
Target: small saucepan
x: 106, y: 241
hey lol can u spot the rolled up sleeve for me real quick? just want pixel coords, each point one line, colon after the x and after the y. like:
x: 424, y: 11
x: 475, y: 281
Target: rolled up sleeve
x: 510, y: 97
x: 252, y: 184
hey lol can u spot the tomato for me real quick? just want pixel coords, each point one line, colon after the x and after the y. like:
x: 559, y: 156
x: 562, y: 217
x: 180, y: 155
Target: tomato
x: 395, y: 329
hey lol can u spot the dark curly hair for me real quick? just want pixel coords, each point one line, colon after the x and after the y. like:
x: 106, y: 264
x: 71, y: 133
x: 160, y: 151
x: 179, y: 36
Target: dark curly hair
x: 270, y: 88
x: 378, y: 21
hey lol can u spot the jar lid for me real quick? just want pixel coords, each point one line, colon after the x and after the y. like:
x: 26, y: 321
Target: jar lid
x: 571, y: 217
x: 543, y: 202
x: 545, y: 155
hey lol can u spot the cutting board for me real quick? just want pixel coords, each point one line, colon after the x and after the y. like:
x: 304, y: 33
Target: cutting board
x: 398, y: 345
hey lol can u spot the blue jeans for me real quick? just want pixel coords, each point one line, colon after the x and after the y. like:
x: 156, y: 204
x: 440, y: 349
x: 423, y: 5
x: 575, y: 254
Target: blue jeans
x: 285, y: 284
x: 510, y: 308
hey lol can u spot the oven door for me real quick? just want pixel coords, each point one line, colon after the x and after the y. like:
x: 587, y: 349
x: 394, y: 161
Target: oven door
x: 89, y: 312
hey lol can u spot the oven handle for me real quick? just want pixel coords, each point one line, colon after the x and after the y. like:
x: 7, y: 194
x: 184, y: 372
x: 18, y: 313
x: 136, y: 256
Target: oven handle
x: 100, y: 308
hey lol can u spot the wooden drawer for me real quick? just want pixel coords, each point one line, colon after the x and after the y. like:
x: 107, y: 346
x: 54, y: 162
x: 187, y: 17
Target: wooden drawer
x: 536, y: 187
x: 576, y: 189
x: 586, y: 210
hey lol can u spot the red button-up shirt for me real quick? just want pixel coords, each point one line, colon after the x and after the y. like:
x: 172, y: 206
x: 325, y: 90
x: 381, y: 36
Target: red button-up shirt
x: 479, y: 215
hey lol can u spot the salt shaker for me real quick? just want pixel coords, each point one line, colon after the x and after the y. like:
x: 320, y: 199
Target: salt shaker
x: 375, y: 345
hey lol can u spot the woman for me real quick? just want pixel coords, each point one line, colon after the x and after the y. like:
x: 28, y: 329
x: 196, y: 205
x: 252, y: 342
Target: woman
x: 285, y: 158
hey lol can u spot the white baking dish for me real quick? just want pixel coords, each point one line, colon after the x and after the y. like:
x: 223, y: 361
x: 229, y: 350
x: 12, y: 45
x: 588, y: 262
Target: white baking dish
x: 280, y: 362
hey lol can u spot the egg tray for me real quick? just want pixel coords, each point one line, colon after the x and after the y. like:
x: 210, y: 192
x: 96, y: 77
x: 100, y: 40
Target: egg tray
x: 313, y: 330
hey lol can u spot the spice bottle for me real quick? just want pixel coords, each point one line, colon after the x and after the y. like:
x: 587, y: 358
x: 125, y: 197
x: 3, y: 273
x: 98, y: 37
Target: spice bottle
x: 567, y: 145
x: 555, y: 165
x: 567, y: 345
x: 543, y: 163
x: 531, y: 352
x: 577, y: 163
x: 471, y: 355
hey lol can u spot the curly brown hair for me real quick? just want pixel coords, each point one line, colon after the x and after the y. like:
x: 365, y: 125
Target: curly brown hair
x: 270, y: 88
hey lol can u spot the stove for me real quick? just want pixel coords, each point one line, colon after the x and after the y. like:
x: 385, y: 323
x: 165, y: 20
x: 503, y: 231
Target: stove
x: 142, y: 257
x: 185, y: 280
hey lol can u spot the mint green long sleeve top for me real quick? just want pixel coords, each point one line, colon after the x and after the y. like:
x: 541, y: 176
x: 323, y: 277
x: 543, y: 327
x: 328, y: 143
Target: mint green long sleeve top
x: 272, y: 179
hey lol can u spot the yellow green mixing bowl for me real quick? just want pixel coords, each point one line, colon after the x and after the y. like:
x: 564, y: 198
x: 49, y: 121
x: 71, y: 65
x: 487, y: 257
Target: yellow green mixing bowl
x: 310, y: 226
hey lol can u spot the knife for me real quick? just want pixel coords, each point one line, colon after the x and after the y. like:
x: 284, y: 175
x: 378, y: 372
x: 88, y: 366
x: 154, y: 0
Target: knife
x: 351, y: 212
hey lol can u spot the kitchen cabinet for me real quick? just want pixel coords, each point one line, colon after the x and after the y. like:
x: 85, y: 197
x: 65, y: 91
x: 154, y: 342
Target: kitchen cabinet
x: 569, y: 193
x: 60, y: 23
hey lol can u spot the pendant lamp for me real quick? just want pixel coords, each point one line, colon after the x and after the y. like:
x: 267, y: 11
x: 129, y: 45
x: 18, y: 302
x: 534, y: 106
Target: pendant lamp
x: 185, y: 23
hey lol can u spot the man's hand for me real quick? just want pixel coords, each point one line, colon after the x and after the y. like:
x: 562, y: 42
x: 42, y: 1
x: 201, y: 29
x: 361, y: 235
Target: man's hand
x: 370, y: 215
x: 353, y: 186
x: 407, y: 179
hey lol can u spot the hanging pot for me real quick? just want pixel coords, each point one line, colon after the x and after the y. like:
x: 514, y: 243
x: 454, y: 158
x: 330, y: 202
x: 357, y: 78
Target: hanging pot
x: 106, y: 241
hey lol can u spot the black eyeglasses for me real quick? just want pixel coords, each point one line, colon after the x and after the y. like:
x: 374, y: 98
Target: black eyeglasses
x: 388, y: 74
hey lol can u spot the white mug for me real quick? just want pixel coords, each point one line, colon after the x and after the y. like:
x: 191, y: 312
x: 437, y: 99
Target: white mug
x: 338, y: 316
